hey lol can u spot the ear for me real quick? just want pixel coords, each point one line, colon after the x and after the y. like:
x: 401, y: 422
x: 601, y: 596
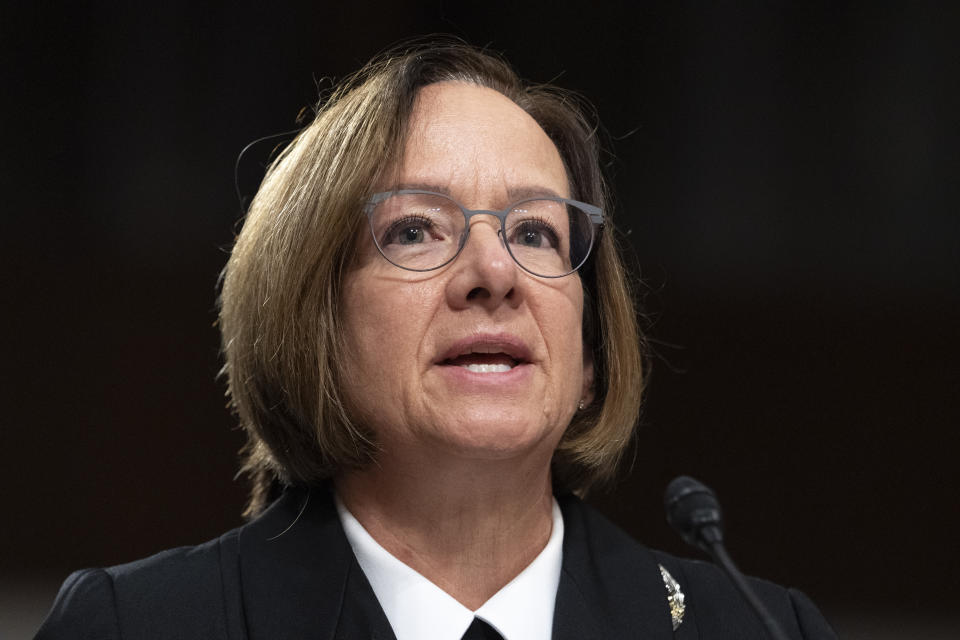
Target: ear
x: 587, y: 392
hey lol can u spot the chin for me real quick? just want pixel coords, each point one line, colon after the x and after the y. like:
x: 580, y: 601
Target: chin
x: 499, y: 438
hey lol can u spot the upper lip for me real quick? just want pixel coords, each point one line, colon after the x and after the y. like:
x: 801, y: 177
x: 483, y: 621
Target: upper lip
x: 504, y: 343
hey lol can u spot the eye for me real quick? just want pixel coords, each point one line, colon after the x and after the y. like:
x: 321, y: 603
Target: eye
x: 410, y: 230
x: 534, y: 233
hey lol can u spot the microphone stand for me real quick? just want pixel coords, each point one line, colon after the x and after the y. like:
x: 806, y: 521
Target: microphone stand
x: 720, y: 555
x: 694, y: 512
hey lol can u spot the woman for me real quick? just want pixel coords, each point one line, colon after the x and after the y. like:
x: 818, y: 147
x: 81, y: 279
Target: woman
x: 431, y: 344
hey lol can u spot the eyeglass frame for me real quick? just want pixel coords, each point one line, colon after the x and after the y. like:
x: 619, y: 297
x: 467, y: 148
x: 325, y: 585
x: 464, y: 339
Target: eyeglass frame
x: 593, y: 212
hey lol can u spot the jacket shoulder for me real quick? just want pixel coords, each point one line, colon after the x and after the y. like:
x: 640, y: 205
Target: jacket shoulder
x: 715, y: 606
x: 84, y: 609
x: 714, y: 609
x: 185, y: 589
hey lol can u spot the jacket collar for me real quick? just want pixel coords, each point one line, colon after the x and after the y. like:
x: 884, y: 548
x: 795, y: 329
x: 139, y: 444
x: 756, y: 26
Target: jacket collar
x: 300, y: 579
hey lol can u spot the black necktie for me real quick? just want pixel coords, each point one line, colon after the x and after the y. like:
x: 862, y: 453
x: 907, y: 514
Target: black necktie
x: 480, y: 630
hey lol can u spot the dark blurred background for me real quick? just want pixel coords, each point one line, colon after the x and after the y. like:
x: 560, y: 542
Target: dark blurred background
x: 786, y: 180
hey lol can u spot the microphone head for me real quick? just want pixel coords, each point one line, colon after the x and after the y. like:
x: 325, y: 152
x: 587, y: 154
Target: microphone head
x: 694, y: 512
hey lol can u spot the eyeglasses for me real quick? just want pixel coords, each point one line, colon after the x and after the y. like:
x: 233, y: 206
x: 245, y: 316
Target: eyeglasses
x: 422, y: 231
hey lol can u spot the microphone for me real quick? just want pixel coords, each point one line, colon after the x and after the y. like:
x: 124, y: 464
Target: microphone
x: 694, y: 512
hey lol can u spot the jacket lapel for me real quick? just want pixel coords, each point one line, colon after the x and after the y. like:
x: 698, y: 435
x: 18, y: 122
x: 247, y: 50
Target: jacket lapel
x: 299, y: 577
x: 361, y: 615
x: 610, y: 586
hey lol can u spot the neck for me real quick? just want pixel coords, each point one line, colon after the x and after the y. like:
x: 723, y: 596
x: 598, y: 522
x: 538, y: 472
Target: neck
x: 467, y: 526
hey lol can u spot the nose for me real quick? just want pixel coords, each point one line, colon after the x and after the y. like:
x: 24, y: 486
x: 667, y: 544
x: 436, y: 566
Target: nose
x: 484, y: 273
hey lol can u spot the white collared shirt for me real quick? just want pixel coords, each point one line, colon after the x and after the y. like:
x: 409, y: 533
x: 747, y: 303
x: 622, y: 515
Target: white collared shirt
x: 417, y: 609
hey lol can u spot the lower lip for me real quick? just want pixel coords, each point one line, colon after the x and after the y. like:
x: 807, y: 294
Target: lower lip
x: 462, y: 375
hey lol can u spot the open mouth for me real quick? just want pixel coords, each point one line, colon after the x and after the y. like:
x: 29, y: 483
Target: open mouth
x: 487, y: 353
x: 483, y: 362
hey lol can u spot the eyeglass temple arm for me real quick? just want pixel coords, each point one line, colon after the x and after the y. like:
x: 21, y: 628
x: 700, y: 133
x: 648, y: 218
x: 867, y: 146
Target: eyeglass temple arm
x: 595, y: 213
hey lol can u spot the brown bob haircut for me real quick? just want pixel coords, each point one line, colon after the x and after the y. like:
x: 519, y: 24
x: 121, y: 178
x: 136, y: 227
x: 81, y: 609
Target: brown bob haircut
x: 281, y: 288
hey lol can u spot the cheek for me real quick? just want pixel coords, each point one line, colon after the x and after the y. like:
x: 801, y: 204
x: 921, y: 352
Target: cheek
x: 385, y: 321
x: 567, y: 316
x: 362, y: 323
x: 562, y: 317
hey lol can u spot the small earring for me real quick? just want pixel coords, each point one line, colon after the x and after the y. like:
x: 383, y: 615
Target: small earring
x: 581, y: 406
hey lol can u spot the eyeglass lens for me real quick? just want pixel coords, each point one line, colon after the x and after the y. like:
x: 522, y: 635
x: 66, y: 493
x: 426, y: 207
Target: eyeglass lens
x: 421, y: 232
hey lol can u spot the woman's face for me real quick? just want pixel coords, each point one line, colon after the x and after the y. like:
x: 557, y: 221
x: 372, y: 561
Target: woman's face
x: 416, y: 339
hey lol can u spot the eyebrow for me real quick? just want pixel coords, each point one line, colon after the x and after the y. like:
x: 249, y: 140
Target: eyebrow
x: 514, y: 193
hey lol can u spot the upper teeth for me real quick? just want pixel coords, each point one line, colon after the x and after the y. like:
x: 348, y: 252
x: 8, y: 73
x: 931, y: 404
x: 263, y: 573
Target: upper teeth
x: 487, y: 368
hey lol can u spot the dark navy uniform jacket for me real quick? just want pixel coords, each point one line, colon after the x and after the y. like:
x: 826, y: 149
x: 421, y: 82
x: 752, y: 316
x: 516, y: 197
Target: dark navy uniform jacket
x: 291, y: 573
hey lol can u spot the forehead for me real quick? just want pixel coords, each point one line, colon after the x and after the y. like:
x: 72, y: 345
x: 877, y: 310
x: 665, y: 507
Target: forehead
x: 478, y: 144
